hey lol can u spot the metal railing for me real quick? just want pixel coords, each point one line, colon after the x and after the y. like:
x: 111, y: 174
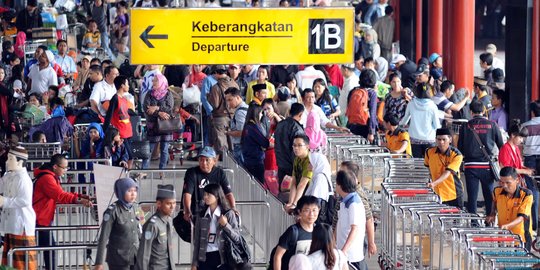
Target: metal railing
x: 78, y: 262
x: 246, y: 188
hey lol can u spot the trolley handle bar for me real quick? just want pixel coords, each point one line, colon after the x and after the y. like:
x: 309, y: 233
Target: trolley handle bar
x: 410, y: 191
x: 493, y: 239
x: 449, y: 211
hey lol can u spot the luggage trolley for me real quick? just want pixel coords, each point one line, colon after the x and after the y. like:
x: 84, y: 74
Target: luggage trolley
x: 460, y: 247
x: 389, y: 214
x: 331, y: 150
x: 442, y: 235
x: 528, y: 261
x: 495, y: 240
x: 372, y: 174
x: 412, y: 238
x: 421, y: 227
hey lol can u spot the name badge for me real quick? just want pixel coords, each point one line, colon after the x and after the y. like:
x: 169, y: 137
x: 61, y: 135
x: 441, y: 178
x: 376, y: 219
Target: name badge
x: 211, y: 238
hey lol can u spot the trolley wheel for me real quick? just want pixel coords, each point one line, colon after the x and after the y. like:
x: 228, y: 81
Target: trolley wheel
x: 379, y: 259
x: 536, y: 245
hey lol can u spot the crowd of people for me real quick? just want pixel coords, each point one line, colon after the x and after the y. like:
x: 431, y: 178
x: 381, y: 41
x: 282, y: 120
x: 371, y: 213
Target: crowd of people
x: 274, y: 120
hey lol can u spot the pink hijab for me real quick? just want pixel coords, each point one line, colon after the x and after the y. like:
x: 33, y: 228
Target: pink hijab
x: 162, y: 89
x: 317, y: 137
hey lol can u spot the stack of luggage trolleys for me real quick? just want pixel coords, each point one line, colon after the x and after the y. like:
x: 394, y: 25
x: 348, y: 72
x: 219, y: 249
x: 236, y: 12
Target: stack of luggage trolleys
x: 418, y: 232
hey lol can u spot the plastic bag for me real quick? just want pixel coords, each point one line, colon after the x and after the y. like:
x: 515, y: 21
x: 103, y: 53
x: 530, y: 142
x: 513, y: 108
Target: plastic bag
x: 271, y: 181
x: 191, y: 94
x: 61, y: 22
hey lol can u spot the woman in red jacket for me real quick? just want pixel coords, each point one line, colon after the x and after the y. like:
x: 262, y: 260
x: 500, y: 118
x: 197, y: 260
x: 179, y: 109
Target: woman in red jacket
x: 510, y: 155
x: 47, y: 193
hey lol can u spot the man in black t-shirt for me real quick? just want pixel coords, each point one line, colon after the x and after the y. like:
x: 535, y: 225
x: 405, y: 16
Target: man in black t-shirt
x: 297, y: 238
x: 198, y: 177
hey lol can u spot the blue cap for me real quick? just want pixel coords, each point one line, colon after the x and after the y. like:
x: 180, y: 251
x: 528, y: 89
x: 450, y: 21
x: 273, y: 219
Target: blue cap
x: 208, y: 152
x: 433, y: 57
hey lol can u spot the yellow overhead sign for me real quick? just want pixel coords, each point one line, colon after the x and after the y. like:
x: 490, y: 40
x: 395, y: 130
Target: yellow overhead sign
x: 242, y: 36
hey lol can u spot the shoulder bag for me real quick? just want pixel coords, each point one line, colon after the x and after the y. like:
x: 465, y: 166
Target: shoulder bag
x: 237, y: 254
x: 493, y: 163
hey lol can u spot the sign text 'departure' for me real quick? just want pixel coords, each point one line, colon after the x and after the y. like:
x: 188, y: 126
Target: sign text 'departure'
x: 243, y: 36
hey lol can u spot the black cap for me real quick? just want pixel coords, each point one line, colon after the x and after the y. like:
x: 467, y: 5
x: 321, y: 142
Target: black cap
x: 166, y: 192
x: 259, y: 87
x: 421, y: 69
x: 443, y: 131
x: 218, y: 69
x: 32, y: 3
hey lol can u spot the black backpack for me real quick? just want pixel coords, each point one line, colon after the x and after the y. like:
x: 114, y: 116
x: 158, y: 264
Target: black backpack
x: 288, y: 254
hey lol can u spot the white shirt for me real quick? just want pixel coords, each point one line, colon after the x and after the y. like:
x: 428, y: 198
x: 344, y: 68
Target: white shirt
x: 531, y: 144
x: 306, y: 77
x: 354, y: 215
x: 348, y: 85
x: 213, y: 229
x: 498, y: 63
x: 102, y: 92
x: 18, y: 215
x: 317, y: 260
x: 319, y: 111
x: 66, y: 63
x: 41, y: 79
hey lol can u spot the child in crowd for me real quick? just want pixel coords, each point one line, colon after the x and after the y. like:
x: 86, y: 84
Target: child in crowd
x: 92, y: 38
x: 115, y: 149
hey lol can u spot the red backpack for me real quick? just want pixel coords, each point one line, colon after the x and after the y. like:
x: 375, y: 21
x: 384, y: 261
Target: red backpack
x: 357, y: 106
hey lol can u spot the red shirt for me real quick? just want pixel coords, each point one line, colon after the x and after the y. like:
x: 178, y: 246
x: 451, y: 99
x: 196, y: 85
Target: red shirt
x: 118, y: 116
x: 47, y: 193
x: 510, y: 156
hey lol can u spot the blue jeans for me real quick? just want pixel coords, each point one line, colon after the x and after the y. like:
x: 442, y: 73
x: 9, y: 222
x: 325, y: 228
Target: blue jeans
x: 237, y: 154
x: 533, y: 162
x: 473, y: 178
x: 105, y: 44
x: 163, y: 156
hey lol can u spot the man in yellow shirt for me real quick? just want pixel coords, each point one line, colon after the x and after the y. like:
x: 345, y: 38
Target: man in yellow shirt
x: 397, y: 139
x: 513, y: 203
x: 444, y: 162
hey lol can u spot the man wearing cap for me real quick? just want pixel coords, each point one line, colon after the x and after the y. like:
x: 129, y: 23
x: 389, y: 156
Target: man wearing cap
x: 217, y: 72
x: 18, y: 222
x: 234, y: 73
x: 29, y: 18
x: 262, y: 78
x: 235, y: 102
x: 407, y: 69
x: 476, y: 164
x: 436, y: 62
x: 221, y: 115
x: 156, y: 245
x: 47, y: 193
x: 422, y: 74
x: 42, y: 75
x: 444, y: 162
x: 481, y: 94
x: 198, y: 177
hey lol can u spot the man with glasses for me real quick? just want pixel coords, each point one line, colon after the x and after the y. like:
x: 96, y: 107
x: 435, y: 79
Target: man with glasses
x: 47, y: 193
x: 297, y: 238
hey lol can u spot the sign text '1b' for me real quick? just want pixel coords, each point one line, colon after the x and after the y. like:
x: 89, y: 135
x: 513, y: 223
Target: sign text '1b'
x: 326, y: 36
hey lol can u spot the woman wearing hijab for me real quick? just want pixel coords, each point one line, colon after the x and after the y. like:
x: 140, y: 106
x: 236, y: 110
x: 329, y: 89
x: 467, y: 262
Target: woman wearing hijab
x: 196, y: 77
x: 92, y: 145
x: 320, y: 186
x: 158, y: 104
x: 370, y: 47
x: 317, y: 136
x: 120, y: 228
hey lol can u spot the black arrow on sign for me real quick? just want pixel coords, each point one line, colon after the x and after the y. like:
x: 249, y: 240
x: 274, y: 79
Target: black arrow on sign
x: 145, y: 36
